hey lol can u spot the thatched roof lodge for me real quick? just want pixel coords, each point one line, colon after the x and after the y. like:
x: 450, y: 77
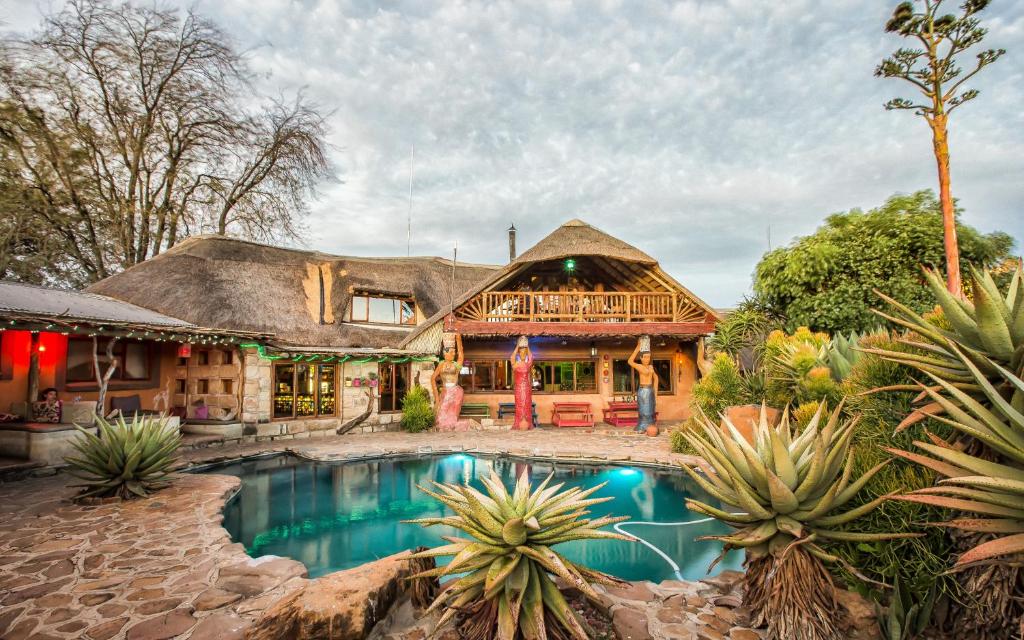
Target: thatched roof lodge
x: 300, y: 297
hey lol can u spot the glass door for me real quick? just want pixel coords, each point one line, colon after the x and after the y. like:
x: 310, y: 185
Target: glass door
x: 394, y: 384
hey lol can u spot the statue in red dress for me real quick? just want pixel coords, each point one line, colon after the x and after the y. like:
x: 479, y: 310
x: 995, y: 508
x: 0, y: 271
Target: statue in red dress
x: 522, y: 377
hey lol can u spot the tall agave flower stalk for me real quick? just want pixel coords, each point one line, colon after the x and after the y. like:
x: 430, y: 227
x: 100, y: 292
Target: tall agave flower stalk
x: 126, y: 459
x: 783, y: 492
x: 506, y: 589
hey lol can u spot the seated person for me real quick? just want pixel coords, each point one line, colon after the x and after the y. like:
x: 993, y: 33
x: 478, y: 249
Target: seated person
x: 48, y: 409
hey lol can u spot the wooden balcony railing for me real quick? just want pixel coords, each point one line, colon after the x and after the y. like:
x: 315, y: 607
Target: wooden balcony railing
x: 583, y: 306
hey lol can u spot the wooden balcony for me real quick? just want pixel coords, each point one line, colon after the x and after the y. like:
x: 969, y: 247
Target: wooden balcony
x: 581, y: 307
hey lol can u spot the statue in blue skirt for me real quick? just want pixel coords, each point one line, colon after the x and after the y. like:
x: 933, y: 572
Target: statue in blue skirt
x: 647, y: 392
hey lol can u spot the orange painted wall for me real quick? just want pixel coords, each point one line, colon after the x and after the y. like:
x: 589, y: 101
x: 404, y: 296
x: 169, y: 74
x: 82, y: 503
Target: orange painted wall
x: 16, y: 347
x: 671, y: 408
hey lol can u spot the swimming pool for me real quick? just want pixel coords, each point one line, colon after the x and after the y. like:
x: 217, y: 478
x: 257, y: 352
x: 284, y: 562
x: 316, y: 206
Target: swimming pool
x: 338, y: 516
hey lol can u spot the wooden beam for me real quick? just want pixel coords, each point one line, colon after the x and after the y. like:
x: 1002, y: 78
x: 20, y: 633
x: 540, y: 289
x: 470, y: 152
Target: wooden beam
x: 587, y: 329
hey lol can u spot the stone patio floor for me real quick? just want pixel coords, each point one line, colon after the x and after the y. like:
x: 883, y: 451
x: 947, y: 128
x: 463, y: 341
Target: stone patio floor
x: 163, y: 567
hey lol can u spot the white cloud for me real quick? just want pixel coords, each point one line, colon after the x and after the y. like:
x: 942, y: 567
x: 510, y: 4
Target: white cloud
x: 685, y: 127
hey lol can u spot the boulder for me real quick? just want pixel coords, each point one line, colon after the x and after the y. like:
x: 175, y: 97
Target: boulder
x: 254, y: 576
x: 743, y: 417
x: 344, y: 605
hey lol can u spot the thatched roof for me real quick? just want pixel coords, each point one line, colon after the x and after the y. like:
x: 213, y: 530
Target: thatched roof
x: 224, y: 282
x: 575, y: 239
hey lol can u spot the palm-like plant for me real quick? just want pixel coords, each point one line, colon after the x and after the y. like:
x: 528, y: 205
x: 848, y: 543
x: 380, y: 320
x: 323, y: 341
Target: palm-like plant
x: 506, y: 590
x: 992, y: 490
x: 784, y: 489
x: 126, y: 459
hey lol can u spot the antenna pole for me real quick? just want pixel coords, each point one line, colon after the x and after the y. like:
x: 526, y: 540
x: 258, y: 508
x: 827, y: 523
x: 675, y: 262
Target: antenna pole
x: 408, y: 221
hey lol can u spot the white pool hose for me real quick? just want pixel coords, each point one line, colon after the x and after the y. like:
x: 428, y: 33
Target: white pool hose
x: 665, y: 556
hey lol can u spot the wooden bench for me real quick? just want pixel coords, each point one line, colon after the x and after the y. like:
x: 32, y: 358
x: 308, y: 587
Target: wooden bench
x: 509, y: 408
x: 475, y: 410
x: 623, y: 414
x: 572, y: 414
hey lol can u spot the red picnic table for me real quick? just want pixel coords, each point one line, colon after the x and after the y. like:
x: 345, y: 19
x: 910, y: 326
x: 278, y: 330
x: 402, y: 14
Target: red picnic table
x: 623, y: 414
x: 572, y: 414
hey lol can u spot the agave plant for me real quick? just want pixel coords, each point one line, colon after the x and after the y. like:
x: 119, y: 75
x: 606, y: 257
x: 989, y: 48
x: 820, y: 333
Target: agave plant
x: 992, y: 490
x: 905, y: 619
x: 125, y: 459
x: 506, y: 590
x: 842, y: 355
x: 784, y: 491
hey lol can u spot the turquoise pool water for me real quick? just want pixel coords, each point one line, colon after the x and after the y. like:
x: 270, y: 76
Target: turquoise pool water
x: 337, y: 516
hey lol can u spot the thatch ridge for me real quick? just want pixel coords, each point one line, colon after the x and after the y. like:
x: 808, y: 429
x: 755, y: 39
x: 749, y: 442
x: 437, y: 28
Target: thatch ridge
x: 237, y: 284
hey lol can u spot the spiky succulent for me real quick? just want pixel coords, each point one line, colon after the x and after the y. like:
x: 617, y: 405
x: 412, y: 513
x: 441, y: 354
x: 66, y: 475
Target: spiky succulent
x: 842, y: 355
x: 506, y: 590
x: 785, y: 486
x: 989, y: 331
x: 782, y: 492
x: 125, y: 459
x: 992, y: 490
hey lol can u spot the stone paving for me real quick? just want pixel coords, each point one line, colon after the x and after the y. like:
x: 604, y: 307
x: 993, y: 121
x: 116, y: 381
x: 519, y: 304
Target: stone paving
x: 163, y: 567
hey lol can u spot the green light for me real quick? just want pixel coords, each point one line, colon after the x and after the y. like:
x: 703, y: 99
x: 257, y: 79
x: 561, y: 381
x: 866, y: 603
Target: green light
x: 570, y: 264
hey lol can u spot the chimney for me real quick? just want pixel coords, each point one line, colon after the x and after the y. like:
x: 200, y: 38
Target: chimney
x: 512, y: 243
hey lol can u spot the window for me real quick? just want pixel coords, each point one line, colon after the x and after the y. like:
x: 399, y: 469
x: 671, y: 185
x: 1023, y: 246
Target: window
x: 226, y: 385
x: 227, y: 357
x: 486, y: 375
x: 624, y: 379
x: 381, y: 310
x: 203, y: 357
x: 567, y: 376
x: 203, y: 386
x: 133, y: 361
x: 304, y: 390
x: 179, y: 385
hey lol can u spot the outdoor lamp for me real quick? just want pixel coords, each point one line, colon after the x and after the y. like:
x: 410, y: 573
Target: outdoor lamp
x: 593, y: 350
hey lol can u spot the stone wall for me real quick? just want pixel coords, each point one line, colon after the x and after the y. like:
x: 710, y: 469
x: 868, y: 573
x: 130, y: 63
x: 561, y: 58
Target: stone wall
x: 256, y: 410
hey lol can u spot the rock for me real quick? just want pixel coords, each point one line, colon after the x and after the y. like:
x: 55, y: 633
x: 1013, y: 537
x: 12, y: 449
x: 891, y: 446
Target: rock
x: 636, y: 591
x: 742, y: 416
x: 221, y: 626
x: 258, y: 575
x: 860, y: 615
x: 339, y: 606
x: 214, y: 598
x: 31, y: 593
x: 169, y: 625
x: 158, y: 606
x: 630, y: 624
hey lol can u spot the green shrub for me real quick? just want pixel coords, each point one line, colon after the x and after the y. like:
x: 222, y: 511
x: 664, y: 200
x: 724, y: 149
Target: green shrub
x: 417, y: 414
x: 678, y: 441
x: 126, y: 459
x: 918, y: 564
x: 721, y: 388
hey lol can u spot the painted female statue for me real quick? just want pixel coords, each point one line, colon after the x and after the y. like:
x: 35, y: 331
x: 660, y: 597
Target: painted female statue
x: 449, y: 403
x: 647, y: 392
x: 522, y: 376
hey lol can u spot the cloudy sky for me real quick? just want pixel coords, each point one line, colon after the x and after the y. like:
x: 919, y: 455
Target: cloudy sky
x: 687, y: 128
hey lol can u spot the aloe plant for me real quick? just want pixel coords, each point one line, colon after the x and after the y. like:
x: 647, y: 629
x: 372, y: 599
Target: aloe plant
x: 125, y: 459
x: 842, y: 355
x: 905, y: 619
x: 506, y: 589
x: 990, y: 489
x: 989, y: 331
x: 783, y: 492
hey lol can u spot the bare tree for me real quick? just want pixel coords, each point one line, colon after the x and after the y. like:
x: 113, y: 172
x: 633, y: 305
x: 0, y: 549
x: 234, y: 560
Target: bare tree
x: 131, y: 127
x: 934, y: 70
